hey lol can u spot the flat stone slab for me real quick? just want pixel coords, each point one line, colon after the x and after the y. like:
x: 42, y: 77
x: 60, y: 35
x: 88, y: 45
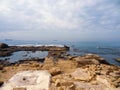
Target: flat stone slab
x: 30, y: 80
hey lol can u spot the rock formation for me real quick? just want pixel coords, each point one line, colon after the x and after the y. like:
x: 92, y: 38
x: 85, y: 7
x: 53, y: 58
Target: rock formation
x: 3, y: 45
x: 88, y: 72
x: 5, y: 51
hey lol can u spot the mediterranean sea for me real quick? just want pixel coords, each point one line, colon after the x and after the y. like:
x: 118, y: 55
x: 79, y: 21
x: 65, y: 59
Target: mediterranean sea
x: 108, y: 50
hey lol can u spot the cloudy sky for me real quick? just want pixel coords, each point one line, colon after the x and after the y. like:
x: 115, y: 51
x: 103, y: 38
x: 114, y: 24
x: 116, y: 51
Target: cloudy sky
x: 66, y: 20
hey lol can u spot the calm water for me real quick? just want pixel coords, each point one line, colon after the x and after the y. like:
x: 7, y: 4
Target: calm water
x: 22, y: 55
x: 108, y: 50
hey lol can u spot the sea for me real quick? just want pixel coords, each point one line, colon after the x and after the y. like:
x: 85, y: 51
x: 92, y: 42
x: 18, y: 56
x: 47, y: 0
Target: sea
x: 108, y: 50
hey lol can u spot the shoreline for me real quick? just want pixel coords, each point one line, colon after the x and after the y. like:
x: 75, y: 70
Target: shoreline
x: 67, y: 72
x: 11, y: 49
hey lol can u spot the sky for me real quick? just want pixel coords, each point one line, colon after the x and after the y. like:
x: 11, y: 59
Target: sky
x: 65, y: 20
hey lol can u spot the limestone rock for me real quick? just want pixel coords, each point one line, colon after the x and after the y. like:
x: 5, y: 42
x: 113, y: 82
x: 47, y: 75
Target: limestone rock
x: 86, y: 61
x: 55, y: 71
x: 88, y: 86
x: 106, y: 81
x: 31, y: 80
x: 48, y: 63
x: 81, y: 75
x: 57, y: 83
x: 54, y: 78
x: 66, y: 65
x: 93, y: 56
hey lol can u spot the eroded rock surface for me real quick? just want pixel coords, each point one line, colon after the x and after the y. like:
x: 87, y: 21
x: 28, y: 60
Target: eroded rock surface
x: 89, y: 72
x: 82, y: 75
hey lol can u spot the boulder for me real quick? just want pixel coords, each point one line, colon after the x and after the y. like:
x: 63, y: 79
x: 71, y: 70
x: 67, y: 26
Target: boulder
x: 63, y: 82
x: 55, y: 71
x: 96, y: 59
x: 82, y: 61
x: 81, y: 75
x: 93, y: 56
x: 3, y: 45
x: 28, y: 80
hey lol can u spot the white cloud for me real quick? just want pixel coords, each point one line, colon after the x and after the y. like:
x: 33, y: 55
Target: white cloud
x: 58, y: 14
x: 52, y: 15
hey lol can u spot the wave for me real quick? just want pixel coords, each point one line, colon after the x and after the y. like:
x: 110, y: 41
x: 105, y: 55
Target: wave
x: 37, y: 45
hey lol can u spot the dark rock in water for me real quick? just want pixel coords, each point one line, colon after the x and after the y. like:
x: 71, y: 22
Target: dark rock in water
x: 5, y: 53
x: 3, y: 45
x: 117, y: 59
x: 66, y: 47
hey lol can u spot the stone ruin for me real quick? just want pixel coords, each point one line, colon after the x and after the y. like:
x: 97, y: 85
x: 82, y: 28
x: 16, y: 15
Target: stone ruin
x: 28, y: 80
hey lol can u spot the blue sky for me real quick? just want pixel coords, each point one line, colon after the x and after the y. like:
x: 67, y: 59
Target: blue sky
x: 65, y: 20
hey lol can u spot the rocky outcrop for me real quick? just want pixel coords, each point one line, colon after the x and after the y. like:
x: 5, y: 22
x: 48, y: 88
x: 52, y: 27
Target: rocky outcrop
x: 88, y: 72
x: 3, y: 45
x: 89, y: 59
x: 5, y: 51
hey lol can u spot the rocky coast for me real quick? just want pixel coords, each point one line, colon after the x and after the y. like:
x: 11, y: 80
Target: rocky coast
x: 58, y: 71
